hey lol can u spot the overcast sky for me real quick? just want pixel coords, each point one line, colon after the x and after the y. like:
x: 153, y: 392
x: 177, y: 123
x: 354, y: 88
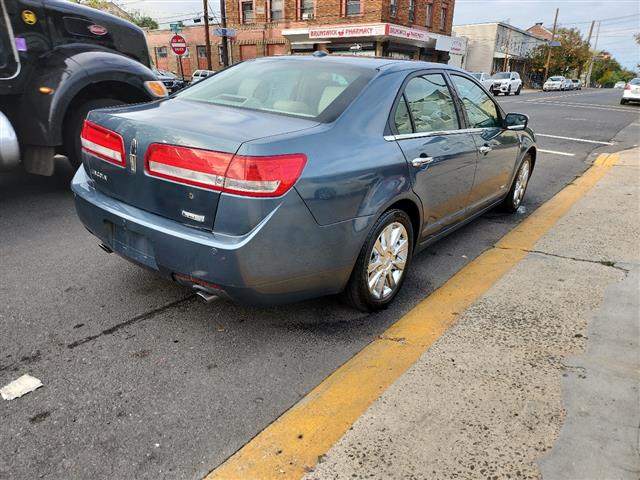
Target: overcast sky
x: 620, y: 18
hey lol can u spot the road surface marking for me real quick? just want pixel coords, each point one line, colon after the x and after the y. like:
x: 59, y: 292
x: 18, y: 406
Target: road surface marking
x: 557, y: 153
x: 573, y: 139
x: 608, y: 108
x: 292, y: 444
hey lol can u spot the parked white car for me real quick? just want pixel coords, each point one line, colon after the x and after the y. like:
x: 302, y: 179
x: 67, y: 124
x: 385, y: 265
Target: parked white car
x: 620, y: 85
x: 568, y: 84
x: 577, y: 84
x: 507, y: 83
x: 201, y: 75
x: 484, y: 79
x: 554, y: 83
x: 631, y: 92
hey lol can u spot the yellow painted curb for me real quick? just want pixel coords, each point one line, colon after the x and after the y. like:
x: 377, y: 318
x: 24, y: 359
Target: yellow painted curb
x: 292, y: 444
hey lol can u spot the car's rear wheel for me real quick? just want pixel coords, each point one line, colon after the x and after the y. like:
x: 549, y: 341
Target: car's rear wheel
x: 623, y: 101
x: 72, y: 145
x: 382, y: 264
x: 519, y: 187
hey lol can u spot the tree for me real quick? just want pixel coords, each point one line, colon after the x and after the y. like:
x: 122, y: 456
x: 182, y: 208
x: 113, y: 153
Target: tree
x: 570, y: 57
x: 136, y: 17
x: 607, y: 71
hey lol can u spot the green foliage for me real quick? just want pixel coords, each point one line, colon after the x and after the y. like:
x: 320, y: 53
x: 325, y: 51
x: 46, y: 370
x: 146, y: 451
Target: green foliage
x: 607, y: 71
x: 569, y: 59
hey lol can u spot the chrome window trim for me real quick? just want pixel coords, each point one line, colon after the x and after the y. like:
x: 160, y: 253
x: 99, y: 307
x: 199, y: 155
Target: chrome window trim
x: 405, y: 136
x: 12, y: 40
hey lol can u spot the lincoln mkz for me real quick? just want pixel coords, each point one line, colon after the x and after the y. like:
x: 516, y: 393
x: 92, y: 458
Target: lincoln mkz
x: 286, y: 178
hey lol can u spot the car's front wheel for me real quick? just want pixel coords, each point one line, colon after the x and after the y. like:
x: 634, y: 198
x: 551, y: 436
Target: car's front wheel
x: 519, y: 187
x: 519, y: 90
x: 382, y: 264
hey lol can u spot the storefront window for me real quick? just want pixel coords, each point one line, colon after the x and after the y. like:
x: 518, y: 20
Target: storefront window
x: 247, y: 12
x: 306, y: 9
x: 412, y: 10
x: 443, y: 18
x: 429, y: 20
x: 393, y: 8
x: 276, y: 11
x: 353, y: 7
x: 202, y: 51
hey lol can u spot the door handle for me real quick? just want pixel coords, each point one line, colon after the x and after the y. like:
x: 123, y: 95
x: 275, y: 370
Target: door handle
x: 421, y: 161
x: 485, y: 149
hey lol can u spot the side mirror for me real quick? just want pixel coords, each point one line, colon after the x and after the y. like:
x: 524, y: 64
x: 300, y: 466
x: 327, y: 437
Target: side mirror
x: 516, y: 121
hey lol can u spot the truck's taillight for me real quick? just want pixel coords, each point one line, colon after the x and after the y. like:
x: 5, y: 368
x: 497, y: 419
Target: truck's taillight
x: 242, y: 175
x: 103, y: 143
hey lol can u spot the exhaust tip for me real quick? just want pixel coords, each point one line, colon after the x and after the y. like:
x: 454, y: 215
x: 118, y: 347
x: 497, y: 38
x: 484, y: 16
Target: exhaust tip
x: 105, y: 248
x: 206, y: 297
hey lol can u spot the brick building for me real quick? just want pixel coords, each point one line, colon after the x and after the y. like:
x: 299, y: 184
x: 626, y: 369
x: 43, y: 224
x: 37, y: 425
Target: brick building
x: 411, y: 29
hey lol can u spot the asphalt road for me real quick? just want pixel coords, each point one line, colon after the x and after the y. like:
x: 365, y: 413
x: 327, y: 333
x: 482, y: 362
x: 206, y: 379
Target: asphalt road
x: 141, y: 380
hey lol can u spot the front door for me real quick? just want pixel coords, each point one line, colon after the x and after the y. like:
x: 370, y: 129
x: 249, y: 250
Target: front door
x: 498, y: 147
x: 441, y: 157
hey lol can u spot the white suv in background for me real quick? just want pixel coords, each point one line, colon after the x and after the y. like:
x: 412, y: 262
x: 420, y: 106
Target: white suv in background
x: 484, y: 79
x: 507, y: 83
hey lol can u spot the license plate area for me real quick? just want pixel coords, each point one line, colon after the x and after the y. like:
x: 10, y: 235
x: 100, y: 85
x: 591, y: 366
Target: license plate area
x: 132, y: 245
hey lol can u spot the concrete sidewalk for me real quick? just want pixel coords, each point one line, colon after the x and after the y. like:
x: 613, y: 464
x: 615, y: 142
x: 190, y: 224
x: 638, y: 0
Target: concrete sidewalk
x: 539, y: 378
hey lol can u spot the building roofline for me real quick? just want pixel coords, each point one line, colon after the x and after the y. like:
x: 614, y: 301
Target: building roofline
x: 502, y: 24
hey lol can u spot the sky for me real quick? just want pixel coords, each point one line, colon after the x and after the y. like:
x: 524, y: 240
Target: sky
x: 620, y: 19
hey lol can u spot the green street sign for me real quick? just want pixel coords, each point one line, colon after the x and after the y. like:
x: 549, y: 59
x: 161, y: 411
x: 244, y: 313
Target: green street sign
x: 176, y: 27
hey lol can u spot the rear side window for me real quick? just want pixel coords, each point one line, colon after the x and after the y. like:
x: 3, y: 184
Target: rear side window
x: 318, y: 90
x: 481, y: 111
x: 429, y: 104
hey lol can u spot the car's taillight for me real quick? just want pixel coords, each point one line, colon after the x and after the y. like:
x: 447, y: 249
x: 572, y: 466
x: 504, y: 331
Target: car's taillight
x: 627, y: 87
x: 103, y: 143
x: 263, y: 176
x: 251, y: 176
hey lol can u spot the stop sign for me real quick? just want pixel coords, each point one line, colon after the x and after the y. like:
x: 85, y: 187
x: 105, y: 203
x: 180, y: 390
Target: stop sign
x: 178, y: 45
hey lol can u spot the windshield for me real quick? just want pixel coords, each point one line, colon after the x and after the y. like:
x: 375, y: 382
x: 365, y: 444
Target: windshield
x: 502, y: 75
x: 317, y: 90
x: 556, y: 79
x: 8, y: 55
x: 477, y: 76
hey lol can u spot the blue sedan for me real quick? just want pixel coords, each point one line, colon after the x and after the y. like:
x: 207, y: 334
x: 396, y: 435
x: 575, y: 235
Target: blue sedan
x: 286, y: 178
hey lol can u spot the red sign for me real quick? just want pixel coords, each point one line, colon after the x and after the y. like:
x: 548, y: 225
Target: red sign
x: 97, y: 30
x: 178, y: 44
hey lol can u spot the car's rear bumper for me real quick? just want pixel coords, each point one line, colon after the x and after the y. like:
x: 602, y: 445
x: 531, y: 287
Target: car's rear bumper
x: 627, y: 95
x: 286, y: 258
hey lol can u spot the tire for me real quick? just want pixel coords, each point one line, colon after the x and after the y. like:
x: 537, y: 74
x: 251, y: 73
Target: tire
x: 623, y: 101
x: 517, y: 191
x: 358, y: 294
x: 73, y: 127
x: 508, y: 92
x: 519, y: 90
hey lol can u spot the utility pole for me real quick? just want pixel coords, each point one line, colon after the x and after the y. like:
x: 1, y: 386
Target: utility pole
x: 223, y: 24
x: 506, y: 55
x: 589, y: 46
x: 553, y: 37
x: 207, y: 39
x: 593, y: 58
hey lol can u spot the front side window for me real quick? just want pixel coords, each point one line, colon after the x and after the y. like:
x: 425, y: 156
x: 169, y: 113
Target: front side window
x: 247, y: 12
x: 412, y: 10
x: 276, y: 11
x: 429, y: 106
x: 353, y: 7
x: 429, y: 20
x: 482, y: 112
x: 393, y: 8
x: 313, y: 90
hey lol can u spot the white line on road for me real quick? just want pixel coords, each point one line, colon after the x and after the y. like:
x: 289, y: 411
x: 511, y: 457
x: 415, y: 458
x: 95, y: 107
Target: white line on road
x: 553, y: 152
x: 573, y: 139
x: 587, y: 106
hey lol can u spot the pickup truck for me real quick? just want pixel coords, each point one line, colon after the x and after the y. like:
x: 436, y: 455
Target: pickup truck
x: 58, y: 61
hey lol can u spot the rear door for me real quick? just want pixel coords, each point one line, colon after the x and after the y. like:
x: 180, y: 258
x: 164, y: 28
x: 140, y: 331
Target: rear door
x: 498, y: 147
x: 9, y: 60
x: 441, y: 156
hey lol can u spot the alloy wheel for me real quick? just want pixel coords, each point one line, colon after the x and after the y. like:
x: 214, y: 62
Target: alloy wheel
x: 521, y: 184
x: 388, y: 260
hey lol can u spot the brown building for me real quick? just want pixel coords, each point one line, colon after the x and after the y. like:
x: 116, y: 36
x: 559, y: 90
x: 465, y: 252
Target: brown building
x: 411, y: 29
x: 539, y: 30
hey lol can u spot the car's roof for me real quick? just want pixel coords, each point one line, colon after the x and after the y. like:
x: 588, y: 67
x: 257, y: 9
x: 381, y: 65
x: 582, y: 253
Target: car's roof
x: 375, y: 63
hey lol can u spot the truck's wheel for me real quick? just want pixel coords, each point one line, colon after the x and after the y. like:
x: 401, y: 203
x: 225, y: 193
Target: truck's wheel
x: 73, y: 127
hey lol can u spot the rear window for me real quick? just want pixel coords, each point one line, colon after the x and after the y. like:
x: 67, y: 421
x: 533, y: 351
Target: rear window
x: 300, y: 88
x: 8, y: 54
x: 635, y: 81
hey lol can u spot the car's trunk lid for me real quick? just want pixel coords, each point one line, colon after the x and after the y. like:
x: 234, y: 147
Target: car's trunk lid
x: 182, y: 123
